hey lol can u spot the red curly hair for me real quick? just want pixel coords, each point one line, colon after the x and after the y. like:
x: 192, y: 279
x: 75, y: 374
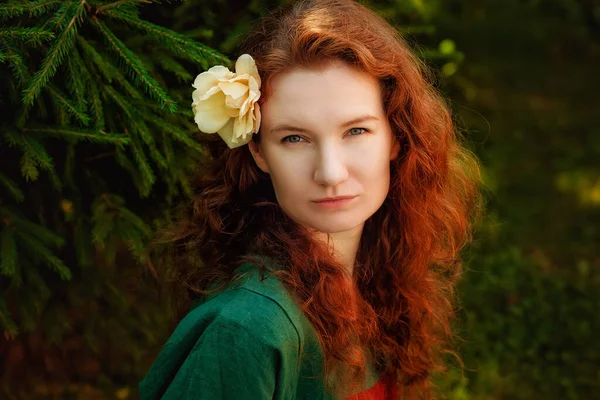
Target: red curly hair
x: 408, y: 260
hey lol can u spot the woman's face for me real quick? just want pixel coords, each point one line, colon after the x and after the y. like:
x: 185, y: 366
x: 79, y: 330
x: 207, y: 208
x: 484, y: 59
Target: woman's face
x: 324, y: 134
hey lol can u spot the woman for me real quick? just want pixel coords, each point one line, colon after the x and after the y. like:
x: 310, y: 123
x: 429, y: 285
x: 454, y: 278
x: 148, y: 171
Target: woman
x: 328, y: 219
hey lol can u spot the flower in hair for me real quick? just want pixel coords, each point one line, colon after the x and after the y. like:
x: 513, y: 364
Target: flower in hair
x: 225, y: 102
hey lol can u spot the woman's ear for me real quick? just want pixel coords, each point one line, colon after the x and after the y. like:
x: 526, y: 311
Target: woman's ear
x: 258, y: 156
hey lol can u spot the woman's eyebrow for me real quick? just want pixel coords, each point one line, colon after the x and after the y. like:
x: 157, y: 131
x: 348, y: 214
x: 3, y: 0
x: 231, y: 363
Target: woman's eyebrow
x: 291, y: 128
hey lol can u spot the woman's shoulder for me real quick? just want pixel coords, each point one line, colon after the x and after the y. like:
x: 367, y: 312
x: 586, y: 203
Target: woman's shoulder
x: 261, y: 306
x: 246, y: 330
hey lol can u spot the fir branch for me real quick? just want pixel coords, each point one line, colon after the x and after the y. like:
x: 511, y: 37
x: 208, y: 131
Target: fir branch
x: 131, y: 236
x: 56, y: 54
x: 59, y: 18
x: 37, y: 151
x: 32, y: 147
x: 41, y: 7
x: 18, y: 67
x: 96, y: 107
x: 156, y: 156
x: 55, y: 180
x: 147, y: 174
x: 121, y: 3
x: 171, y: 65
x: 37, y: 247
x: 173, y: 41
x: 68, y: 105
x: 45, y: 235
x: 175, y: 132
x: 8, y: 252
x: 126, y: 163
x: 34, y: 279
x: 12, y: 187
x: 133, y: 116
x: 138, y: 71
x: 28, y: 168
x: 11, y: 10
x: 3, y: 57
x: 34, y: 9
x: 80, y: 134
x: 167, y: 144
x: 102, y: 223
x: 101, y: 63
x: 78, y: 78
x: 107, y: 69
x: 34, y: 36
x: 135, y: 220
x: 9, y: 326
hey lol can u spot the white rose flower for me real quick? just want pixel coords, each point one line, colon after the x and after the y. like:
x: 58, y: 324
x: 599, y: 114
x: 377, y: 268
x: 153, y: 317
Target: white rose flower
x: 226, y: 102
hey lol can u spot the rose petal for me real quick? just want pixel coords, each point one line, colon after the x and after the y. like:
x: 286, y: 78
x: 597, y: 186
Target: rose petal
x: 245, y: 65
x: 257, y: 118
x: 233, y: 89
x: 226, y: 133
x: 210, y: 115
x: 206, y: 80
x: 198, y: 95
x: 235, y: 104
x: 220, y: 72
x: 242, y: 126
x: 233, y: 112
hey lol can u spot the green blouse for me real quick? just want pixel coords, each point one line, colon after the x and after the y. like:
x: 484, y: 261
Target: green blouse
x: 250, y: 341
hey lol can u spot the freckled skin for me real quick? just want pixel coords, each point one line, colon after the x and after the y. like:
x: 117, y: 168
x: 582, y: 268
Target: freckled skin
x: 327, y: 159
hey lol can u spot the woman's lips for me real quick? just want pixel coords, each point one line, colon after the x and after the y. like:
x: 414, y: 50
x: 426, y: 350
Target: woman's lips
x: 334, y: 203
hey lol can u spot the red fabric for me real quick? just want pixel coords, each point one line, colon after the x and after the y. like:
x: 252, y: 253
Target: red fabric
x: 384, y: 389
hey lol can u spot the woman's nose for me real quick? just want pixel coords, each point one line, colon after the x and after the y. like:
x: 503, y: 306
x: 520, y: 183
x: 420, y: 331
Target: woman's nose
x: 330, y: 168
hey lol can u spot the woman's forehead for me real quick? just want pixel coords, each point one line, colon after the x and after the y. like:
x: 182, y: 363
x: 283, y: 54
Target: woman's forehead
x: 335, y: 92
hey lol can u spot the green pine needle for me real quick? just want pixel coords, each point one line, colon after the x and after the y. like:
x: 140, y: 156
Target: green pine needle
x: 133, y: 115
x: 32, y: 148
x: 177, y: 133
x: 12, y: 187
x: 87, y: 135
x: 45, y: 235
x: 56, y: 54
x: 35, y: 8
x: 176, y: 42
x: 96, y: 107
x: 16, y: 63
x: 138, y: 71
x: 104, y: 67
x: 68, y: 105
x: 36, y: 246
x: 34, y: 36
x: 169, y: 64
x: 78, y: 79
x: 123, y: 4
x: 8, y: 252
x: 148, y: 177
x: 135, y: 220
x: 102, y: 222
x: 28, y: 168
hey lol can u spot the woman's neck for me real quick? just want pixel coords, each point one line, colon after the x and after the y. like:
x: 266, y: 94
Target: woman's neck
x: 344, y: 245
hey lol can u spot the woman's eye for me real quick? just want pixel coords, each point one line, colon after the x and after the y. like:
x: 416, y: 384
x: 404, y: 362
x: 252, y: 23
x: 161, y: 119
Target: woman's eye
x: 292, y: 139
x: 356, y: 131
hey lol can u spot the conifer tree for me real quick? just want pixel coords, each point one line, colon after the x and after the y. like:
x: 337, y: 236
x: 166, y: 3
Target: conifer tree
x: 93, y: 148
